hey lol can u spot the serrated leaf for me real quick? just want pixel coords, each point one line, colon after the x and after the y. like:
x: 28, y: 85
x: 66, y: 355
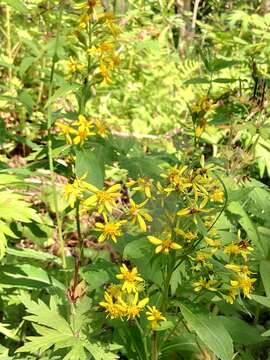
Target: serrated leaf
x: 211, y: 331
x: 99, y: 352
x: 43, y: 343
x: 136, y: 249
x: 43, y: 315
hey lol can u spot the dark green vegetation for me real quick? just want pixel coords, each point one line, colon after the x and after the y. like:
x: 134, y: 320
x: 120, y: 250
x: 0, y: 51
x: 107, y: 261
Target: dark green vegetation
x: 134, y: 180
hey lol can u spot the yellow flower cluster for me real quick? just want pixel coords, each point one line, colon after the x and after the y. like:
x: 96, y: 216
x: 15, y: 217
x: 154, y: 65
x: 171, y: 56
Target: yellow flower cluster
x: 74, y: 66
x: 228, y: 284
x: 199, y: 112
x: 200, y: 197
x: 107, y: 202
x: 122, y: 300
x: 82, y: 129
x: 102, y: 46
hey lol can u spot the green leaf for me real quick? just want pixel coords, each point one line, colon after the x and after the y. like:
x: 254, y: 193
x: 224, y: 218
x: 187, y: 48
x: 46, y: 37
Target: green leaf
x: 136, y: 249
x: 211, y: 331
x: 33, y: 254
x: 197, y: 80
x: 61, y: 92
x: 43, y: 315
x: 265, y: 274
x: 224, y: 80
x: 265, y: 301
x: 26, y: 64
x: 142, y: 166
x: 99, y: 352
x: 186, y: 343
x: 266, y: 333
x: 26, y: 99
x: 90, y: 163
x: 241, y: 332
x: 95, y: 279
x: 17, y: 5
x: 219, y: 64
x: 246, y: 223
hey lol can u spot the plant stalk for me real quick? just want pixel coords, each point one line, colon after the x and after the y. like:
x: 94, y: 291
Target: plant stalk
x: 9, y: 47
x: 144, y: 339
x: 154, y: 354
x: 50, y: 153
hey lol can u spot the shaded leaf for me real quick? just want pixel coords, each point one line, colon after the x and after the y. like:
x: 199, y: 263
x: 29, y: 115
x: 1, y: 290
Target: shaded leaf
x: 211, y: 331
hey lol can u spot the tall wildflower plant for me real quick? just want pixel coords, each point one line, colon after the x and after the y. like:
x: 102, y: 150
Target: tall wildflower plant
x: 162, y: 231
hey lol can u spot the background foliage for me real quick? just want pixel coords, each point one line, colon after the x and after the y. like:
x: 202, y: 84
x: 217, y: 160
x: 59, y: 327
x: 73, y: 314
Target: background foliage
x: 189, y: 86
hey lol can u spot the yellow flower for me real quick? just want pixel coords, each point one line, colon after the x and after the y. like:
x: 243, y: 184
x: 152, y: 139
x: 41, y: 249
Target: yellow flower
x: 164, y: 245
x: 189, y: 236
x: 164, y: 190
x: 205, y: 284
x: 144, y: 185
x: 131, y: 279
x: 102, y: 48
x: 115, y: 310
x: 194, y: 209
x: 134, y: 308
x: 81, y: 135
x: 101, y: 128
x: 84, y: 20
x: 114, y: 290
x: 211, y: 242
x: 201, y: 256
x: 139, y: 215
x: 110, y: 229
x: 103, y: 199
x: 176, y: 178
x: 83, y: 122
x: 199, y: 179
x: 230, y: 296
x: 89, y: 4
x: 154, y: 316
x: 217, y: 195
x: 238, y: 268
x: 74, y: 66
x: 84, y: 130
x: 246, y: 284
x: 103, y: 69
x: 238, y: 249
x: 74, y: 191
x: 66, y: 130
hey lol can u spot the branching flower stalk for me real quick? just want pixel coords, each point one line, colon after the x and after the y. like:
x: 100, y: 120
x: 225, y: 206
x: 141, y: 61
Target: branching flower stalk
x: 50, y: 154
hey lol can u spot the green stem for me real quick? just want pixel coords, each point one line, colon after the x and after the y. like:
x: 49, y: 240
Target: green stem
x: 170, y: 270
x: 154, y: 353
x: 85, y: 84
x: 79, y: 232
x: 9, y: 48
x: 144, y: 339
x: 50, y: 153
x: 177, y: 323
